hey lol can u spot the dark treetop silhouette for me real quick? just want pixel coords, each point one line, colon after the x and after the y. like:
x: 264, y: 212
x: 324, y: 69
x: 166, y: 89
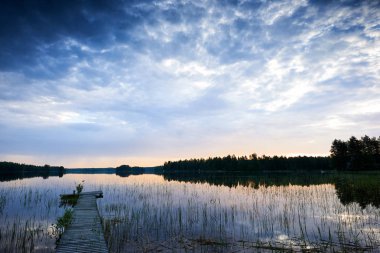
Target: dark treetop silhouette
x: 354, y: 154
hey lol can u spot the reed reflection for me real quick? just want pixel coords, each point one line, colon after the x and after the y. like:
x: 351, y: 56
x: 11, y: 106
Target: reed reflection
x: 362, y: 188
x: 203, y: 212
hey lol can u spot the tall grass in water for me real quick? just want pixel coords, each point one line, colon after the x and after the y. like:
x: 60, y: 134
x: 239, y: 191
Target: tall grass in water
x: 202, y: 217
x: 145, y: 213
x: 28, y: 208
x: 24, y: 219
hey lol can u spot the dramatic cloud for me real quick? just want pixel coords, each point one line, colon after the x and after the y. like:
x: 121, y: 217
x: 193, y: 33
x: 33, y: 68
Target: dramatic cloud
x: 94, y: 83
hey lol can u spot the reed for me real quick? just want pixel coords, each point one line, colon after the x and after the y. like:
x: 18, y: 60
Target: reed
x: 145, y: 213
x: 294, y: 218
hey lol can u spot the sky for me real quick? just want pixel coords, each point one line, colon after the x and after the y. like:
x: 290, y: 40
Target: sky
x: 104, y: 83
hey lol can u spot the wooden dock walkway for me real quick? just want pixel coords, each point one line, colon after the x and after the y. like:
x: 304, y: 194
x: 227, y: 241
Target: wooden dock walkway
x: 85, y: 233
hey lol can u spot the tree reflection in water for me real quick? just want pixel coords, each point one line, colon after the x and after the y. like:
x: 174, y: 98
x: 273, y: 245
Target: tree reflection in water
x: 362, y: 188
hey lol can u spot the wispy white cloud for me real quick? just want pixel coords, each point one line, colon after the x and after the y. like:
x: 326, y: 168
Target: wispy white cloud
x: 200, y: 77
x: 271, y: 12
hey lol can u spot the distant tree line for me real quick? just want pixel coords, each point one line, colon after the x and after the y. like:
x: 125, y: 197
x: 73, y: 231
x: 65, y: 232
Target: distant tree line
x: 356, y: 154
x: 11, y: 171
x: 251, y: 163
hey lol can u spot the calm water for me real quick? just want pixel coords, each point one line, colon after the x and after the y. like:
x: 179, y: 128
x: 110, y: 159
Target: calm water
x: 203, y: 213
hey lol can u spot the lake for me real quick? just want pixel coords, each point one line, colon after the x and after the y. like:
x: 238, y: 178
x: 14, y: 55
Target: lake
x: 188, y: 212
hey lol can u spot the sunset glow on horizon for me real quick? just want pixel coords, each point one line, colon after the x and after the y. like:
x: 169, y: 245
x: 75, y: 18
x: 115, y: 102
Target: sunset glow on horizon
x: 105, y: 83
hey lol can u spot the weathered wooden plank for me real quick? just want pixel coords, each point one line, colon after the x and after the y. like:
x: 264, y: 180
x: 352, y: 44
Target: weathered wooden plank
x: 98, y: 194
x: 85, y: 233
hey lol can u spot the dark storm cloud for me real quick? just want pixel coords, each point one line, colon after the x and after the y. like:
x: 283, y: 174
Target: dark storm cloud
x: 35, y: 31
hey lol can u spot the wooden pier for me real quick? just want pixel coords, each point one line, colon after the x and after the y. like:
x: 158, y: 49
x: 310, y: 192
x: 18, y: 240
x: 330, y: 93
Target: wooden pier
x: 85, y: 232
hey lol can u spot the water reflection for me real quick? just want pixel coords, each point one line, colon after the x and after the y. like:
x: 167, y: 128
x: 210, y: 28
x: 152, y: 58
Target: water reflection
x: 202, y: 212
x: 198, y: 216
x: 9, y: 175
x: 362, y: 188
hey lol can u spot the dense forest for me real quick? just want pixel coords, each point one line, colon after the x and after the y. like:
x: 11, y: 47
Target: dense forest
x: 251, y: 163
x: 354, y: 154
x: 11, y: 171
